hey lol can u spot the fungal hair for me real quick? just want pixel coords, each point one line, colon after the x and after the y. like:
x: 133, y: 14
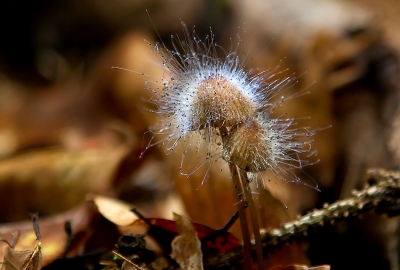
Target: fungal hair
x: 220, y: 111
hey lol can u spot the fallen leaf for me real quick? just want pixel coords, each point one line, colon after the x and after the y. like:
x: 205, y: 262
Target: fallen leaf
x: 22, y: 259
x: 163, y: 230
x: 213, y: 241
x: 186, y: 247
x: 54, y: 180
x: 25, y: 259
x: 54, y: 239
x: 114, y: 210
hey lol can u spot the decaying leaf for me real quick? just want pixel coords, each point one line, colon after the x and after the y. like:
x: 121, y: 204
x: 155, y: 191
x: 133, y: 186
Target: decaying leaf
x: 22, y: 259
x: 25, y: 259
x: 54, y: 239
x: 186, y: 247
x: 213, y: 241
x: 164, y: 231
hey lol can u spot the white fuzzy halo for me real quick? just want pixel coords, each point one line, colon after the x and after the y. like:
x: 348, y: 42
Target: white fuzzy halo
x: 187, y: 66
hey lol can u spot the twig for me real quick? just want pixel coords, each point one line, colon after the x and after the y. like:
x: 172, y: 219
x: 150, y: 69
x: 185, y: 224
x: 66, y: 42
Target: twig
x: 382, y: 195
x: 128, y: 261
x: 223, y: 230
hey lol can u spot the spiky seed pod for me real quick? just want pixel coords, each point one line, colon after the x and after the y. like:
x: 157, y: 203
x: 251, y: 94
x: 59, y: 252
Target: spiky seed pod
x: 262, y: 143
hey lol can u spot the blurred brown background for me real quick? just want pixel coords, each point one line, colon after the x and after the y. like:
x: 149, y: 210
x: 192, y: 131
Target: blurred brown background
x: 71, y: 125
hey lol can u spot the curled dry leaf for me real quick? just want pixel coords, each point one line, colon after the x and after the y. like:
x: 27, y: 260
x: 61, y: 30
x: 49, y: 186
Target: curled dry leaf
x: 54, y: 239
x: 186, y: 247
x: 114, y: 210
x: 25, y: 259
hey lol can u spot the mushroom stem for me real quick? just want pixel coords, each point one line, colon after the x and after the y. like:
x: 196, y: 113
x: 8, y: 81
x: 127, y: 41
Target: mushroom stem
x: 253, y: 214
x: 242, y: 204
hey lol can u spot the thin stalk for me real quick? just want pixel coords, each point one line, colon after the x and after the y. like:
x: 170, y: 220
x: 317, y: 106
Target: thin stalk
x: 242, y: 204
x: 253, y: 214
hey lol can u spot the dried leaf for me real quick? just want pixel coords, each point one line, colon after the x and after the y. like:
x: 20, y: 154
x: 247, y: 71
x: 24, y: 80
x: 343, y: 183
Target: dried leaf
x: 116, y: 211
x: 186, y: 247
x: 163, y: 230
x: 213, y: 241
x: 22, y: 259
x: 54, y: 239
x: 25, y: 259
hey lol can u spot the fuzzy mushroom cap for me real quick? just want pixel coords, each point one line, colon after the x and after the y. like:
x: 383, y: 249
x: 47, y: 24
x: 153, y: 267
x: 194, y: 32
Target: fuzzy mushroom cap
x: 220, y: 103
x: 248, y: 148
